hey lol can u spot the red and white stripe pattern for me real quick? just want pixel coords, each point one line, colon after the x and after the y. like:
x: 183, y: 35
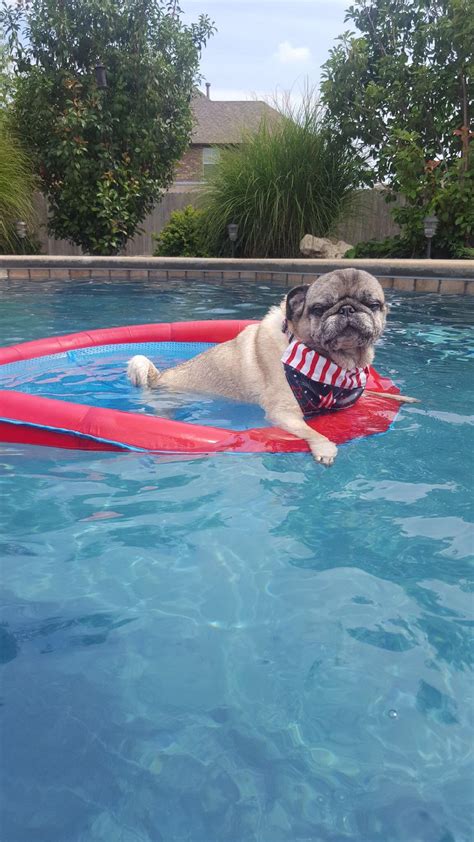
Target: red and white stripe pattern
x: 322, y: 370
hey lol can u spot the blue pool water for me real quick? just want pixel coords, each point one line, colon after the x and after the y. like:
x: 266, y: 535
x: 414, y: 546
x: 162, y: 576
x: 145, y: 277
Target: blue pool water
x: 241, y: 648
x: 96, y: 376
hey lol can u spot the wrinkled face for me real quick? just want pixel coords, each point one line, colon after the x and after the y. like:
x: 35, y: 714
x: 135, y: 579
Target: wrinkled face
x: 343, y: 311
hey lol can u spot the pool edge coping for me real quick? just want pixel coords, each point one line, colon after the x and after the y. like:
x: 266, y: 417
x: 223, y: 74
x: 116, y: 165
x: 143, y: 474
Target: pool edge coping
x: 424, y: 276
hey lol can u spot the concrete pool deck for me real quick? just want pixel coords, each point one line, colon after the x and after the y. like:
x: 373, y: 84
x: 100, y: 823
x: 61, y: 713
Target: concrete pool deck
x: 432, y: 276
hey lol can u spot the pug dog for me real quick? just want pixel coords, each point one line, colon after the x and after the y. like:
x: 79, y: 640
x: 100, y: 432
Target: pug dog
x: 332, y: 324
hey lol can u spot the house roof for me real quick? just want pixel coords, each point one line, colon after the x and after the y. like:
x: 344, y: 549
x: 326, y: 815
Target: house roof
x: 224, y: 122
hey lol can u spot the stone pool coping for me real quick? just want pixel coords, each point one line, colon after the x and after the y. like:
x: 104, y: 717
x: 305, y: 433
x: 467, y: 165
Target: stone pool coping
x: 435, y: 276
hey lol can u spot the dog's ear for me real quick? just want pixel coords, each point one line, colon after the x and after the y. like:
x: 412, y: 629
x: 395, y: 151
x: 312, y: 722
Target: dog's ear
x: 295, y: 301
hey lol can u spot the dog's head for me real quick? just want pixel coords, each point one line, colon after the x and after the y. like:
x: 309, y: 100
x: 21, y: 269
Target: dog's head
x: 341, y: 315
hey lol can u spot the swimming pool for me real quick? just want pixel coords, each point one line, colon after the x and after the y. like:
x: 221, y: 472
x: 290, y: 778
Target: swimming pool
x: 241, y: 648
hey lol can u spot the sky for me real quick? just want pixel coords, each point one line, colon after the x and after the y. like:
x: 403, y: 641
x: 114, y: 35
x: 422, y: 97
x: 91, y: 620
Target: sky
x: 266, y: 47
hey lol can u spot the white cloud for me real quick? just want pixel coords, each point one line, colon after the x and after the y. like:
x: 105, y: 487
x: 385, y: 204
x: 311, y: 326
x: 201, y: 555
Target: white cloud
x: 287, y: 54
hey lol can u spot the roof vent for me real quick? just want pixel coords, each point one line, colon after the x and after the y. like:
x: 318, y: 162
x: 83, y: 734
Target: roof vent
x: 208, y: 88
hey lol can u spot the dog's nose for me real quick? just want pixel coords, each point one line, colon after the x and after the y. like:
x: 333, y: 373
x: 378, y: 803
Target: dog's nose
x: 346, y: 310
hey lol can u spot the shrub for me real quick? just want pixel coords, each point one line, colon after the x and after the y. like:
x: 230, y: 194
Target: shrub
x: 445, y: 188
x: 289, y: 179
x: 391, y: 247
x: 464, y: 253
x: 17, y: 184
x: 182, y: 236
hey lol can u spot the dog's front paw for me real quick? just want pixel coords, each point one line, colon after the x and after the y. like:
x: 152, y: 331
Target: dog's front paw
x: 138, y: 370
x: 324, y: 451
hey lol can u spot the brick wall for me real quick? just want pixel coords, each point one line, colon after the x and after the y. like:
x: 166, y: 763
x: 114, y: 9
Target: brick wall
x: 190, y: 166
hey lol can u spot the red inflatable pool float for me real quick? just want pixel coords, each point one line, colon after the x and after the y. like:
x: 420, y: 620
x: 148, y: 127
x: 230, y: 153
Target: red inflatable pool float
x: 32, y: 419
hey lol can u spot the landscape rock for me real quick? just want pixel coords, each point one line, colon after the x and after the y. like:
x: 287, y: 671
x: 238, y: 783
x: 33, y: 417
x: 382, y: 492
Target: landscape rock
x: 326, y: 247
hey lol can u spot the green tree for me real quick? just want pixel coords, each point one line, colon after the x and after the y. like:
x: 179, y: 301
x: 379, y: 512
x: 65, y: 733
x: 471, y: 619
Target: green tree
x: 401, y: 90
x: 104, y: 156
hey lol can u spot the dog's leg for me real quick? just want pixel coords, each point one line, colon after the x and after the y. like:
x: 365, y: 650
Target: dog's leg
x: 291, y: 420
x: 142, y: 372
x: 399, y: 398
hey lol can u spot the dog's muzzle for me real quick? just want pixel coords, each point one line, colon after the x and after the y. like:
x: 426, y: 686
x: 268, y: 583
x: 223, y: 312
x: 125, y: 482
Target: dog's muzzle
x: 348, y: 320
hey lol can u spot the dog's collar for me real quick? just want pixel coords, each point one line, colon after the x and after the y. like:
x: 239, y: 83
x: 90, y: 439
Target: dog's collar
x: 318, y: 384
x: 322, y: 370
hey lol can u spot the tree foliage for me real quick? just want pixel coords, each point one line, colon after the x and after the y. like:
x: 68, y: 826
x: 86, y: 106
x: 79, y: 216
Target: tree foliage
x: 400, y: 89
x: 104, y: 156
x: 6, y: 80
x: 410, y: 68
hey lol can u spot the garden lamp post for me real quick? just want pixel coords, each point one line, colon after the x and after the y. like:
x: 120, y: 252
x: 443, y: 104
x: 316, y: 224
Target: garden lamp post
x: 430, y: 224
x: 233, y: 230
x: 101, y: 76
x: 20, y: 228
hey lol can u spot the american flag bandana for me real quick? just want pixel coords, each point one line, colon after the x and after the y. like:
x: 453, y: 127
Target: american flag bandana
x: 318, y: 384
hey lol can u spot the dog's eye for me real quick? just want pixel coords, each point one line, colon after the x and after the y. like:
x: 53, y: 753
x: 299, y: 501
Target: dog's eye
x: 374, y: 305
x: 317, y: 311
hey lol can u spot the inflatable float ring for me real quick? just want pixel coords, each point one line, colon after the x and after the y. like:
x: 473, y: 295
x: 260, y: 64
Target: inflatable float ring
x: 30, y: 419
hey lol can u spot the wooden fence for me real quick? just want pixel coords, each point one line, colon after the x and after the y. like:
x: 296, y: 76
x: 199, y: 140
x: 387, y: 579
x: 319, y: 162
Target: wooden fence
x: 370, y: 220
